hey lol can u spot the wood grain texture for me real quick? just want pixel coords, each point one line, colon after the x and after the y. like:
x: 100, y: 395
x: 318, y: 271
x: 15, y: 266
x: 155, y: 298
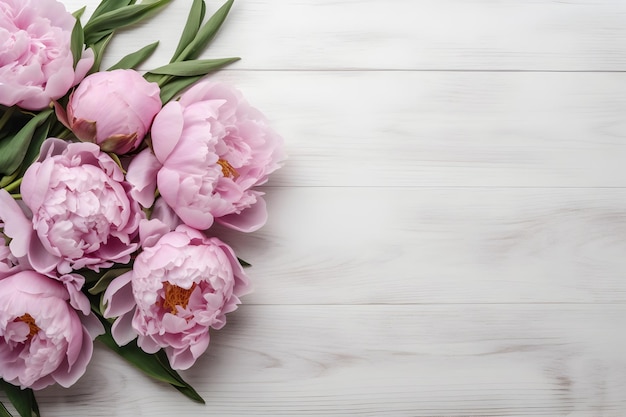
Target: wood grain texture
x: 497, y: 360
x: 447, y: 237
x: 580, y: 35
x: 445, y: 129
x: 438, y: 245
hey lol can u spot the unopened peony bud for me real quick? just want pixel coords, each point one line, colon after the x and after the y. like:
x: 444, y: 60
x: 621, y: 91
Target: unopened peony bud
x: 113, y: 109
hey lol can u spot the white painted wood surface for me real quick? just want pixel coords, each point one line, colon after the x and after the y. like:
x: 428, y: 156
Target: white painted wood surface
x: 449, y: 235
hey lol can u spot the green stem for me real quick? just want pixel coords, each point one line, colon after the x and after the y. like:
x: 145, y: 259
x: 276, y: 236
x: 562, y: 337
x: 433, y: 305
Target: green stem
x: 65, y: 133
x: 6, y: 117
x: 14, y: 185
x: 16, y: 196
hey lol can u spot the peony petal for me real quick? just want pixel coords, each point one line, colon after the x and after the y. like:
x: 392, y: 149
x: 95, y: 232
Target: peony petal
x: 148, y: 345
x: 93, y: 325
x: 150, y: 231
x: 118, y: 296
x: 84, y: 65
x: 16, y: 225
x: 164, y: 213
x: 142, y: 176
x: 167, y: 129
x: 40, y: 259
x: 122, y: 329
x: 249, y: 220
x: 67, y: 375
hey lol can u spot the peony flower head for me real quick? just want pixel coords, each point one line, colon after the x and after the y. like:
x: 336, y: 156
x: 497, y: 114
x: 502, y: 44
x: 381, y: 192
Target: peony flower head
x: 46, y: 331
x: 36, y: 62
x: 113, y: 109
x: 78, y: 211
x: 213, y: 149
x: 182, y: 284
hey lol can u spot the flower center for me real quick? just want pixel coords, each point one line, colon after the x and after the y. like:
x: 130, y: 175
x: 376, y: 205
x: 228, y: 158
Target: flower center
x: 227, y: 169
x: 176, y: 296
x: 28, y: 319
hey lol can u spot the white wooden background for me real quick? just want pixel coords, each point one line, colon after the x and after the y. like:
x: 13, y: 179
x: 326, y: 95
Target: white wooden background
x: 448, y: 237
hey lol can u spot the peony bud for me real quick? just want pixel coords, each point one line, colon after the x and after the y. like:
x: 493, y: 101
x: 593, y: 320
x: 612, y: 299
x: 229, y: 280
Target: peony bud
x: 113, y: 109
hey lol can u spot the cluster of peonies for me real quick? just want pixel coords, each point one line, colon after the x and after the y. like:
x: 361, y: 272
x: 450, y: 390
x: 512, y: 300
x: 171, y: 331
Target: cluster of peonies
x: 139, y: 185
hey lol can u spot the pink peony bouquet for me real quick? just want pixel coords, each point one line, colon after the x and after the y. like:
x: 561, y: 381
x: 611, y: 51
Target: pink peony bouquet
x: 110, y: 184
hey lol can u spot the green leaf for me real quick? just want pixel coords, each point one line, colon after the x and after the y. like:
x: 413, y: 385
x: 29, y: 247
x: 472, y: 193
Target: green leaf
x: 8, y: 179
x: 192, y: 68
x: 106, y: 23
x: 244, y: 263
x: 106, y: 279
x: 132, y: 61
x: 6, y: 118
x: 79, y: 13
x: 98, y: 50
x: 77, y: 41
x: 174, y: 87
x: 22, y: 399
x: 184, y: 388
x: 32, y: 153
x: 149, y: 364
x: 108, y: 6
x: 194, y: 21
x: 4, y: 412
x: 13, y: 150
x: 205, y: 34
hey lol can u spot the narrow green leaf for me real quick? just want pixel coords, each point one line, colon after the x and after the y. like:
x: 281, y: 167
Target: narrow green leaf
x: 106, y: 279
x: 107, y: 22
x: 149, y: 364
x: 190, y: 393
x: 13, y: 150
x: 194, y: 22
x: 77, y: 41
x: 79, y: 13
x: 6, y: 117
x: 174, y: 87
x: 205, y: 34
x: 132, y: 61
x: 32, y: 153
x: 140, y: 359
x: 184, y: 388
x: 98, y: 51
x: 22, y: 399
x: 108, y: 6
x: 4, y: 412
x: 244, y: 263
x: 192, y: 68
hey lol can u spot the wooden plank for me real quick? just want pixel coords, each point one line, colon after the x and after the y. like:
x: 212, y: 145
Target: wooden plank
x: 498, y: 360
x: 431, y: 245
x: 445, y: 129
x: 582, y: 35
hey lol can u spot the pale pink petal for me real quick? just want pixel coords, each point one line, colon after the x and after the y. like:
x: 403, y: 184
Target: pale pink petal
x: 16, y: 225
x: 166, y: 130
x: 142, y: 175
x: 122, y: 329
x: 249, y: 220
x: 118, y: 296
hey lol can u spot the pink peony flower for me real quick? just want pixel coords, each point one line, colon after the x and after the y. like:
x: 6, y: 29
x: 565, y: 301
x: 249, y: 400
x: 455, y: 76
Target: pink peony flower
x: 80, y: 209
x: 182, y: 284
x: 113, y: 109
x: 212, y: 149
x: 36, y: 63
x: 46, y: 330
